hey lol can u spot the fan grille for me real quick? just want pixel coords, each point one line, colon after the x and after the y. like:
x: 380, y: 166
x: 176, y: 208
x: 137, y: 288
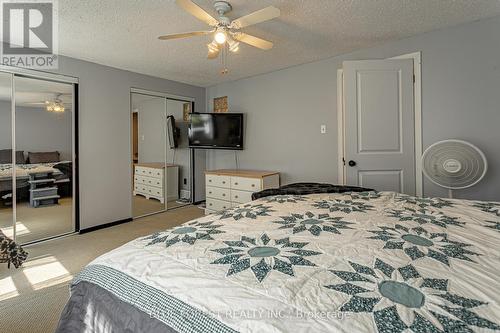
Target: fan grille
x: 454, y: 164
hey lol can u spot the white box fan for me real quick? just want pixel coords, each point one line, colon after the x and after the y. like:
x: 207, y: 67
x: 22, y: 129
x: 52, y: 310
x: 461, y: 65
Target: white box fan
x: 454, y: 164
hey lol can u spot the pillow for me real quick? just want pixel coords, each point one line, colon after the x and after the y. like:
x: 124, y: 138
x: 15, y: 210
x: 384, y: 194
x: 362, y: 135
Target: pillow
x: 20, y: 157
x: 43, y: 157
x: 6, y: 156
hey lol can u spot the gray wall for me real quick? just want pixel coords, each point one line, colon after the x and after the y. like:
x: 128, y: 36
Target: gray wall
x: 284, y: 109
x: 37, y: 130
x: 105, y: 142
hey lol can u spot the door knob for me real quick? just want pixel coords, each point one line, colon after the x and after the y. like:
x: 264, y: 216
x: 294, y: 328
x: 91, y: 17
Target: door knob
x: 352, y: 163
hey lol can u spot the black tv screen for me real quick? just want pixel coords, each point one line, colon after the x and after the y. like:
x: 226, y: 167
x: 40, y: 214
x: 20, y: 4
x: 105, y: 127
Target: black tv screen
x: 216, y: 130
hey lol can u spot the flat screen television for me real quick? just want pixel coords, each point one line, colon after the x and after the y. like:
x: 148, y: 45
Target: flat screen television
x: 216, y: 131
x: 172, y: 132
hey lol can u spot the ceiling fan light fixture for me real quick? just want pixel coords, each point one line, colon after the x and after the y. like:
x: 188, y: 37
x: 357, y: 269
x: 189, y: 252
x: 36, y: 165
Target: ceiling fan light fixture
x: 55, y: 106
x: 225, y: 32
x: 220, y: 36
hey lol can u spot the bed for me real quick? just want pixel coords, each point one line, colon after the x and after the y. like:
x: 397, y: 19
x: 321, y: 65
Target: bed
x: 350, y: 262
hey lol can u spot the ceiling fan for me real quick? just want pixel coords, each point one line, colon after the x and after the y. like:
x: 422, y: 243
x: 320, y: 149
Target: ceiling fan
x: 53, y: 102
x: 227, y: 33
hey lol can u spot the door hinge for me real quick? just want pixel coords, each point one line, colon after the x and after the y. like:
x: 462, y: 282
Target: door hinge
x: 343, y: 160
x: 414, y: 78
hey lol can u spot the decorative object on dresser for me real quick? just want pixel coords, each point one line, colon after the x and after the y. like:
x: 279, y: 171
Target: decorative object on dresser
x: 228, y: 188
x: 157, y: 181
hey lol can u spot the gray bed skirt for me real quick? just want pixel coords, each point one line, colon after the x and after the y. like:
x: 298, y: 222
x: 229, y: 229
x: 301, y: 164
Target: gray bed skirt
x: 93, y: 309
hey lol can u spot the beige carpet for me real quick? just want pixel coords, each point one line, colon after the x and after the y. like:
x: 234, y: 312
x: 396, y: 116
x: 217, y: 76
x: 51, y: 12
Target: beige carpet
x: 32, y: 297
x: 142, y: 206
x: 38, y: 223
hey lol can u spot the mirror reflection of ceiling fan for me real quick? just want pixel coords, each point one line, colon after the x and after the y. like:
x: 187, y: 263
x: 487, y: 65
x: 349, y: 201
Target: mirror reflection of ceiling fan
x: 53, y: 102
x: 227, y: 34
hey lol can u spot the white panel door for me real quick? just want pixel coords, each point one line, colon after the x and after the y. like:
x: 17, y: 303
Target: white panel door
x: 379, y: 124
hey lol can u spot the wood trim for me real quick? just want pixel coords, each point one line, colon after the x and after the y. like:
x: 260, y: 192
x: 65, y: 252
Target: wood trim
x: 340, y: 126
x: 417, y: 109
x: 241, y: 173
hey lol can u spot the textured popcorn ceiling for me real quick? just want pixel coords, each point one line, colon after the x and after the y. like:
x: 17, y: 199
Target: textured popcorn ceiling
x: 123, y: 33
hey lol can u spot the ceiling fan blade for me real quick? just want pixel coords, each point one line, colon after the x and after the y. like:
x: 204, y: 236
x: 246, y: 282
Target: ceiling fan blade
x: 253, y: 41
x: 184, y: 35
x: 197, y: 11
x: 213, y: 54
x: 259, y: 16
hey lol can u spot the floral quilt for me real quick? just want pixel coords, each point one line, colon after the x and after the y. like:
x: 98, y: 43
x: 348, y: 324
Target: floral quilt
x: 352, y: 262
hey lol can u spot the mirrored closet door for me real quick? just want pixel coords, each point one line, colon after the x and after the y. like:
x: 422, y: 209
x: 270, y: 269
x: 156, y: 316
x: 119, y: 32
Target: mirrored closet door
x: 37, y: 187
x: 161, y: 159
x: 6, y: 165
x: 178, y: 152
x: 148, y: 135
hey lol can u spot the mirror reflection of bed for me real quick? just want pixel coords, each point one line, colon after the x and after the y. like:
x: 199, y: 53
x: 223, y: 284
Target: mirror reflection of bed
x: 160, y: 166
x: 43, y: 160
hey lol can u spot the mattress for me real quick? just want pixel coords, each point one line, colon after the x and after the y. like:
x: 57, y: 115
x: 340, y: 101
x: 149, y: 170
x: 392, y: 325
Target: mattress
x: 351, y: 262
x: 24, y: 170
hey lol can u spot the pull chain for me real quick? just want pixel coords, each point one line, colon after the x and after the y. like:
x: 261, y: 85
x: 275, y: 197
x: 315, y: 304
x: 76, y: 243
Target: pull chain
x: 223, y: 58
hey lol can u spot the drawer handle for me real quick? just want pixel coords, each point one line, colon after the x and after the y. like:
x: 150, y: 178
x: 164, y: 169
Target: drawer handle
x: 235, y: 183
x: 210, y: 204
x: 210, y: 192
x: 223, y: 182
x: 253, y: 185
x: 210, y: 180
x: 223, y: 194
x: 236, y: 196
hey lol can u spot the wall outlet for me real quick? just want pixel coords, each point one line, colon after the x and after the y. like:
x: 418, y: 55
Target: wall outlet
x: 323, y: 129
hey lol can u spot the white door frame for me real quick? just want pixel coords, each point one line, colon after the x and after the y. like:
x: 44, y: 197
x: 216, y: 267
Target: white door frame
x: 417, y: 93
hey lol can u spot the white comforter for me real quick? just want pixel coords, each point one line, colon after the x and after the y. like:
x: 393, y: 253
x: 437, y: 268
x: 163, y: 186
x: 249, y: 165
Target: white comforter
x: 329, y: 263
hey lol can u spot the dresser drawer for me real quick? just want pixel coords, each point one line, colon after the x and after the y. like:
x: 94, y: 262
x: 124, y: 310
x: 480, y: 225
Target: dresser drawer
x: 216, y: 205
x: 219, y: 181
x: 150, y: 181
x: 241, y: 196
x: 149, y: 190
x: 218, y: 193
x: 246, y: 184
x: 149, y: 172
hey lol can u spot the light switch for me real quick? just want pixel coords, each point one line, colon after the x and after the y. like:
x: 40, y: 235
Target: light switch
x: 323, y: 129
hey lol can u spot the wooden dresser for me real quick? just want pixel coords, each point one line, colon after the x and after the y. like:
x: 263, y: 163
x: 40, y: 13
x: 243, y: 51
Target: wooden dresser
x: 228, y: 188
x: 157, y: 181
